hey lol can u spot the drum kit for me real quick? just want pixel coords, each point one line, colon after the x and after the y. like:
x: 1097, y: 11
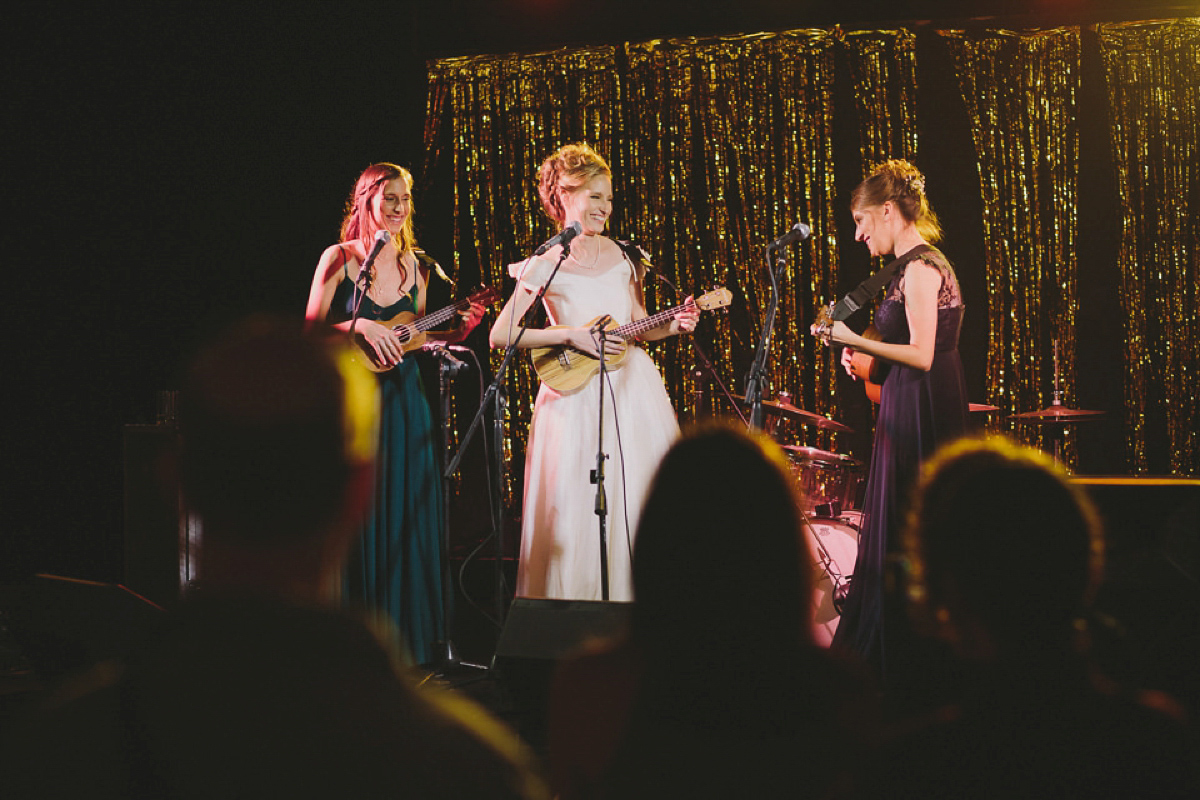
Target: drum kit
x: 830, y: 484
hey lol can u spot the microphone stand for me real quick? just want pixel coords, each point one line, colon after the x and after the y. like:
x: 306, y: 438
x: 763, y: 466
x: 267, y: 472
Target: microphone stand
x: 706, y: 365
x: 758, y: 368
x: 364, y: 275
x: 494, y: 394
x: 597, y: 476
x: 448, y: 655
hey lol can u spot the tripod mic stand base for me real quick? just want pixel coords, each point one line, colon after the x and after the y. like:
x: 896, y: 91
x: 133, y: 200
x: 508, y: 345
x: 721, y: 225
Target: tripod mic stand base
x: 450, y: 669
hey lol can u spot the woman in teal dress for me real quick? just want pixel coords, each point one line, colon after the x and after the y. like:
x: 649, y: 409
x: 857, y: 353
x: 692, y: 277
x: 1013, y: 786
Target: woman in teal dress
x: 396, y: 564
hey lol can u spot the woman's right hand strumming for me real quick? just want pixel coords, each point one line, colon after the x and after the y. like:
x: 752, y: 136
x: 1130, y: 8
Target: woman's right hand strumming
x: 848, y: 361
x: 583, y: 340
x: 380, y: 339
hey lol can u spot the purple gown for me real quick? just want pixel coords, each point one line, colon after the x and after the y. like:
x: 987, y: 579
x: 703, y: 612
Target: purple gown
x: 918, y: 411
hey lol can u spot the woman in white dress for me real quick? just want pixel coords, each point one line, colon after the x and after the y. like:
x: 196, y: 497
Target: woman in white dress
x: 560, y: 532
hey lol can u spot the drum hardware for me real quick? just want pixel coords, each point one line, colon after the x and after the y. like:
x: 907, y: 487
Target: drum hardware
x: 1057, y: 414
x: 834, y: 548
x: 828, y: 482
x: 782, y: 408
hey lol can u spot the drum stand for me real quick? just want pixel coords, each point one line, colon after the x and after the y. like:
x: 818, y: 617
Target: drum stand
x: 840, y: 582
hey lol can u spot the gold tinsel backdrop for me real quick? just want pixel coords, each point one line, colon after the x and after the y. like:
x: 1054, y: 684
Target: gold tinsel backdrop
x: 1153, y: 78
x: 719, y: 145
x: 1020, y: 91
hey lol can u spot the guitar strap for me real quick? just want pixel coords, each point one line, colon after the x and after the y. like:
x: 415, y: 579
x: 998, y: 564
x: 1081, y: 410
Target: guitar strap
x: 636, y: 257
x: 424, y: 258
x: 863, y: 293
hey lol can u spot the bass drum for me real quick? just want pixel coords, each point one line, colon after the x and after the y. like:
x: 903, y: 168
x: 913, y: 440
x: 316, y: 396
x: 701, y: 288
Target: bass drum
x: 833, y: 548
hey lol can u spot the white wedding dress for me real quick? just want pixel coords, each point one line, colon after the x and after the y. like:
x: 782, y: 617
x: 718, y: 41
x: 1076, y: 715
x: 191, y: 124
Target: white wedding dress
x: 560, y: 531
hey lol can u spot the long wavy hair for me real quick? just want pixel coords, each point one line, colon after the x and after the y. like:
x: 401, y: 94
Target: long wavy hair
x: 359, y: 224
x: 903, y: 184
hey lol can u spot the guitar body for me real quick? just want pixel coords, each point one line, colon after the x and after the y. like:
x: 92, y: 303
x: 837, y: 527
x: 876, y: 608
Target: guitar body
x: 869, y: 369
x: 410, y: 330
x: 565, y: 369
x: 410, y: 339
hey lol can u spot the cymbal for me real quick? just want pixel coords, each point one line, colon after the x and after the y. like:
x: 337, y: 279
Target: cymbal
x: 981, y: 407
x: 1056, y: 412
x: 800, y: 453
x: 785, y: 409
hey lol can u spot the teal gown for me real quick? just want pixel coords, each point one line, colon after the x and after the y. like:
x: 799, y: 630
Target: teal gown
x: 395, y: 564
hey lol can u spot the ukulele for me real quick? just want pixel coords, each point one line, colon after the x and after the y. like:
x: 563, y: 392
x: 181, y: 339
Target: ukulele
x: 410, y: 329
x: 864, y: 366
x: 565, y: 369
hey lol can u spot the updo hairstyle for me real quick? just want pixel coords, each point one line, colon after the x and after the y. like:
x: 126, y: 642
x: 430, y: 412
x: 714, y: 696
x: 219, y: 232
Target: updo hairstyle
x: 570, y: 167
x: 903, y: 184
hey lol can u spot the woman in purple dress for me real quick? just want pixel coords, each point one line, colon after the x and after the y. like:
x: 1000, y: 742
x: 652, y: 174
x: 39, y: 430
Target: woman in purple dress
x: 923, y: 401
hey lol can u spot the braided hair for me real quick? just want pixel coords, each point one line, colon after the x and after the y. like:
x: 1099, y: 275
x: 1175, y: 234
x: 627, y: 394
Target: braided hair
x: 568, y: 168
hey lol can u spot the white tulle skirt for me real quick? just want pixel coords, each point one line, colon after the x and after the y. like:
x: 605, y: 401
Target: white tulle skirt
x: 560, y: 530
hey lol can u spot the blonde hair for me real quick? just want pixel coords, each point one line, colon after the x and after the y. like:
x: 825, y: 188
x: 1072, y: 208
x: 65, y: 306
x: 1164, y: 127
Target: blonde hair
x: 568, y: 168
x: 898, y: 181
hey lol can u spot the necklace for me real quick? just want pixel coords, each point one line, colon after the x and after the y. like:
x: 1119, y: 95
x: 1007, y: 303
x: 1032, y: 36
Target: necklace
x: 595, y: 258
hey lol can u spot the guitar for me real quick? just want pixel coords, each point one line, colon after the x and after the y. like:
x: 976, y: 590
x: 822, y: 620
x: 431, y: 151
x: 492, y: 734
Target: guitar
x: 864, y: 366
x: 564, y: 368
x: 410, y: 329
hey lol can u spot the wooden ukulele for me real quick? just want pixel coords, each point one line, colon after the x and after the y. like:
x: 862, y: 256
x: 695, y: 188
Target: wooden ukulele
x: 565, y: 369
x: 410, y: 329
x: 864, y: 366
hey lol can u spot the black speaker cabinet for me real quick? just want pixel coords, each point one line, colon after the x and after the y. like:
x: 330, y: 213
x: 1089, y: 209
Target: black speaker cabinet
x: 1147, y: 628
x: 160, y: 539
x: 539, y: 632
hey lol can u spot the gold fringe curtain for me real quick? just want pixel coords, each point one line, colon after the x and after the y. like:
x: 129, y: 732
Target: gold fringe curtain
x: 505, y: 114
x: 730, y: 144
x: 1153, y: 75
x: 883, y: 73
x: 1020, y: 91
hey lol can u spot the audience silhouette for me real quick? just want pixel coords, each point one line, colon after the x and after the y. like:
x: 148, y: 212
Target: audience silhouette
x: 1005, y: 556
x: 259, y: 684
x: 718, y: 688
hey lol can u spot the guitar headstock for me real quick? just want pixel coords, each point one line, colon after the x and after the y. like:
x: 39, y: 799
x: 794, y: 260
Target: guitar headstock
x: 485, y: 296
x: 717, y: 298
x: 824, y: 322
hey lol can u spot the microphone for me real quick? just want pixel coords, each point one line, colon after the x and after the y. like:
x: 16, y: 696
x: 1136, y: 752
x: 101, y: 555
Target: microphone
x: 798, y: 233
x: 382, y: 237
x: 564, y: 238
x: 453, y: 364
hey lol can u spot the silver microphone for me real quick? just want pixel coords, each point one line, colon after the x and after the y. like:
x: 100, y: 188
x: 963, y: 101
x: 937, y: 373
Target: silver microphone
x: 798, y: 233
x: 564, y: 237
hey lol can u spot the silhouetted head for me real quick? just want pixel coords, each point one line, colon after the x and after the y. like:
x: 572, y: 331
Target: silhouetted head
x: 1005, y: 552
x: 720, y: 567
x: 276, y: 424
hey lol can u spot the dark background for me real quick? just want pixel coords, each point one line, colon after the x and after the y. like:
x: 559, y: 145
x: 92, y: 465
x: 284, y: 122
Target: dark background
x: 170, y: 167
